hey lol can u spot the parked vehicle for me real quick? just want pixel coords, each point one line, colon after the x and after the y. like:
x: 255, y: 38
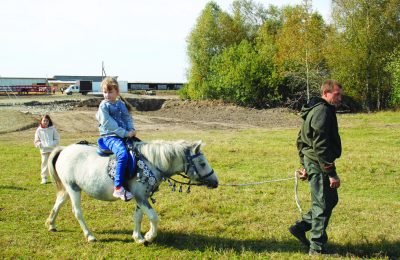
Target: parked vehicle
x: 72, y: 89
x: 81, y: 86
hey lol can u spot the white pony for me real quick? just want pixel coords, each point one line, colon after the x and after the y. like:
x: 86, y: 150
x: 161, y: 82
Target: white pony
x: 77, y: 168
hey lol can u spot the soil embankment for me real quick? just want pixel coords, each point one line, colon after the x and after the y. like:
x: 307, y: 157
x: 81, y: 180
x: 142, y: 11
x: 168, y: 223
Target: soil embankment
x: 78, y: 115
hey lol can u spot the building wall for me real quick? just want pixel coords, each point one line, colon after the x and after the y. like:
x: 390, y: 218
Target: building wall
x: 21, y: 81
x: 154, y: 86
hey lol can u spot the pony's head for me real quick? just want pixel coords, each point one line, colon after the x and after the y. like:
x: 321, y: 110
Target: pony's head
x: 197, y: 167
x: 172, y: 157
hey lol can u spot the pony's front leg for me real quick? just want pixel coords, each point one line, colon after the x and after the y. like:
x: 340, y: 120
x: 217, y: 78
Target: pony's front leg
x: 137, y: 218
x: 153, y: 217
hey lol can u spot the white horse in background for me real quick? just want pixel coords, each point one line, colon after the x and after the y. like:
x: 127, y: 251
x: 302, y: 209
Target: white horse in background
x: 77, y: 168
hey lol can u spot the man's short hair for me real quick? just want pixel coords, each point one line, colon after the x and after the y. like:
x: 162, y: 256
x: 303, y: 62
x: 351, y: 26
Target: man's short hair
x: 329, y: 84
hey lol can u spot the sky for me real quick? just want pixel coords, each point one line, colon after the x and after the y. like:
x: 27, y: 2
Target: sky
x: 138, y: 41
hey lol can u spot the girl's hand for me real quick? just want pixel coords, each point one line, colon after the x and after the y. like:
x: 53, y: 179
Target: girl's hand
x: 132, y: 133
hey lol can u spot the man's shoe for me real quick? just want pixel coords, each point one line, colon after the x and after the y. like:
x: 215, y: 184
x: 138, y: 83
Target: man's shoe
x: 322, y: 252
x: 318, y: 252
x: 122, y: 194
x: 300, y: 235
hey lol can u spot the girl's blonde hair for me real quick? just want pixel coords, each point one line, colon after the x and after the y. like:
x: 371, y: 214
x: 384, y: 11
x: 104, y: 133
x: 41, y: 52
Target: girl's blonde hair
x: 109, y: 83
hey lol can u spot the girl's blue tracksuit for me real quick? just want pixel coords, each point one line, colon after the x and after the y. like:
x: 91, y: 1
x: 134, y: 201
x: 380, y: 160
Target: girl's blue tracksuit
x: 115, y: 123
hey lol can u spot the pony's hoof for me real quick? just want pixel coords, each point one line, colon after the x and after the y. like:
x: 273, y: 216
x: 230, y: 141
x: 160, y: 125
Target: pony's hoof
x: 52, y: 229
x: 149, y: 238
x: 140, y: 241
x: 138, y: 238
x: 91, y: 238
x: 146, y: 243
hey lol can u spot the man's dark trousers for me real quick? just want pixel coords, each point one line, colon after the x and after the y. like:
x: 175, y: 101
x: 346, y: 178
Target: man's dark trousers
x: 323, y: 200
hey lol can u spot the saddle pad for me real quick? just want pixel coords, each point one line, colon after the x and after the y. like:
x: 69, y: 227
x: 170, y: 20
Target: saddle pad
x: 129, y: 171
x: 111, y: 167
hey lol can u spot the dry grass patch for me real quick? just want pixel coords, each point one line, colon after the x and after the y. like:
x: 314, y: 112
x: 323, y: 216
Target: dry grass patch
x: 16, y: 121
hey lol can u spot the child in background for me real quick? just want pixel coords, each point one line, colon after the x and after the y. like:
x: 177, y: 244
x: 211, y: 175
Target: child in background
x: 46, y: 139
x: 115, y: 123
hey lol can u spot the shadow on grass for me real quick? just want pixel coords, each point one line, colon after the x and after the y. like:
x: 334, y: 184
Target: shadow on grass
x: 369, y: 250
x: 109, y: 240
x: 197, y: 242
x: 8, y: 187
x: 116, y: 231
x: 187, y: 241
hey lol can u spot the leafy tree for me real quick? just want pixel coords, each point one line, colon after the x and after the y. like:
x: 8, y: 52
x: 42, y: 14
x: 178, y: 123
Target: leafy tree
x: 242, y: 76
x: 248, y: 16
x: 393, y: 68
x: 364, y: 33
x: 214, y: 31
x: 300, y: 57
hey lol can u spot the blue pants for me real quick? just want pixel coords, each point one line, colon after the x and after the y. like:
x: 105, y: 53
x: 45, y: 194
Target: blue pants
x: 117, y: 146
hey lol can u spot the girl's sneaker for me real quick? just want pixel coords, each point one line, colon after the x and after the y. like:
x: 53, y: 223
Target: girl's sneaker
x: 122, y: 194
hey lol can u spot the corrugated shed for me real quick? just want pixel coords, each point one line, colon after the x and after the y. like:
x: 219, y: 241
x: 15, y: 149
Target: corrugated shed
x: 21, y: 81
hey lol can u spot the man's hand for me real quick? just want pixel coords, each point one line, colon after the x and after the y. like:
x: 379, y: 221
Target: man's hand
x: 335, y: 181
x: 302, y: 174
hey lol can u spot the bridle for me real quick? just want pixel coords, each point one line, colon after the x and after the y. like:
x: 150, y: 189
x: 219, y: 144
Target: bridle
x: 190, y: 164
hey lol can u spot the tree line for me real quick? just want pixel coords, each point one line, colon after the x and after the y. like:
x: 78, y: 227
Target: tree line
x: 266, y: 57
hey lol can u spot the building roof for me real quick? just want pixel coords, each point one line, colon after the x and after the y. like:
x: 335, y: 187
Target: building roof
x: 23, y: 78
x: 71, y: 78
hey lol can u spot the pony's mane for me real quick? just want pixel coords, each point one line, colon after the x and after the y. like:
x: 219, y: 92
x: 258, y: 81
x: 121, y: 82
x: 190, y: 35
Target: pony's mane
x: 162, y: 152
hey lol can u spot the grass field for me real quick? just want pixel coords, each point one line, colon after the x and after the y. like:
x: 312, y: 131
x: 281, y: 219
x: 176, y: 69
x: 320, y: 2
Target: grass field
x: 225, y: 223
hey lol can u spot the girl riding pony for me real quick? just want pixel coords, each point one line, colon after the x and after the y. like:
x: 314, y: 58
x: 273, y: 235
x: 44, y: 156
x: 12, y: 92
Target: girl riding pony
x: 116, y: 123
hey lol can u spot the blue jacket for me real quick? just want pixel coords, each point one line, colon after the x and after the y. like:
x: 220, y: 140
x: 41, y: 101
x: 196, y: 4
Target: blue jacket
x: 114, y: 119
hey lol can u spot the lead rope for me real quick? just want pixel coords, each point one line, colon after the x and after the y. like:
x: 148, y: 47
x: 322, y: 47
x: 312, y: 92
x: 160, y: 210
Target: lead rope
x: 296, y: 193
x: 296, y: 185
x: 254, y: 183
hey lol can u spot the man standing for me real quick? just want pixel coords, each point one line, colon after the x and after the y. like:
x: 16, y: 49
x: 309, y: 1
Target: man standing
x: 319, y: 145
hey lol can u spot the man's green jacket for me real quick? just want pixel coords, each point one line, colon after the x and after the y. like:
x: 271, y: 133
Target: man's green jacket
x: 319, y: 138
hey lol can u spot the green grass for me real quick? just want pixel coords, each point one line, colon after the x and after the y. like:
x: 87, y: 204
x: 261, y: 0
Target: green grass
x: 225, y: 223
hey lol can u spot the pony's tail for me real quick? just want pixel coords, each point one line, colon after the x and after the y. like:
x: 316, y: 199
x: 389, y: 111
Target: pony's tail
x: 51, y: 164
x: 127, y: 104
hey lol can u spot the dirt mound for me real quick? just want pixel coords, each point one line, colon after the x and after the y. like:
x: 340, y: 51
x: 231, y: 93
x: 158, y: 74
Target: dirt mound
x: 157, y: 114
x: 161, y: 114
x: 219, y: 114
x: 12, y: 121
x: 140, y: 104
